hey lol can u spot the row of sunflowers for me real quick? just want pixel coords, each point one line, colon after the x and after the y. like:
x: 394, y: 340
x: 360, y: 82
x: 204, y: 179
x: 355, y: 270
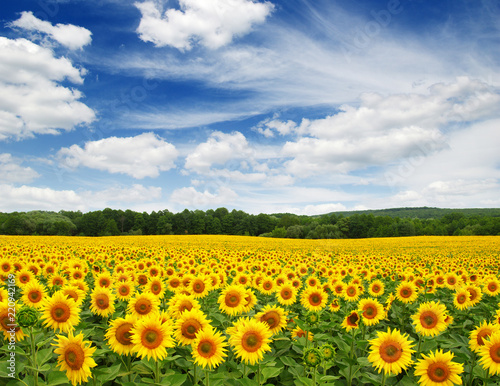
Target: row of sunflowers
x: 213, y: 310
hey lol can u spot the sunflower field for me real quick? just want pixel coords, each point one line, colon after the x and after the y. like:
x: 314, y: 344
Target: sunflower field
x: 230, y: 310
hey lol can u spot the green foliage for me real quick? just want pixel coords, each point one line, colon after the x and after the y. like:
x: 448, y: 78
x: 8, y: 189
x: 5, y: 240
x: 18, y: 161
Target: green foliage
x: 339, y: 225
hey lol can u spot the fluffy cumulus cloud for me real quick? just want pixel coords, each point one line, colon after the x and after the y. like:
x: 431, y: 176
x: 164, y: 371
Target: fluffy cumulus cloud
x: 213, y: 23
x: 218, y: 150
x: 190, y: 197
x: 27, y: 198
x: 145, y: 155
x: 12, y: 172
x: 68, y: 35
x: 32, y: 100
x: 382, y: 130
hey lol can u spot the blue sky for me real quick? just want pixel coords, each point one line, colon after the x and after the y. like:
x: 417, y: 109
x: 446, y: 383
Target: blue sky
x: 292, y: 106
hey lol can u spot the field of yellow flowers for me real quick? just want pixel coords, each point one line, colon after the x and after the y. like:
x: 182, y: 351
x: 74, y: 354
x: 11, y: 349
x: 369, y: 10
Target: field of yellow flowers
x: 213, y: 310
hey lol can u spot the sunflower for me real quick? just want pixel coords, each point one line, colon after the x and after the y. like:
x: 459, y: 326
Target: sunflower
x: 199, y: 287
x: 156, y: 287
x: 406, y: 292
x: 56, y: 280
x: 102, y: 302
x: 430, y: 319
x: 143, y: 305
x: 461, y: 300
x: 75, y: 293
x: 75, y: 357
x: 286, y: 294
x: 372, y: 312
x: 297, y: 332
x: 390, y: 351
x: 438, y: 368
x: 452, y: 281
x: 376, y: 288
x: 312, y: 357
x: 4, y: 295
x: 124, y: 290
x: 232, y: 299
x: 335, y: 305
x: 275, y: 317
x: 34, y: 293
x: 314, y: 298
x: 7, y: 323
x: 209, y: 348
x: 475, y: 294
x: 180, y: 303
x: 250, y: 300
x: 188, y: 324
x: 174, y: 282
x: 267, y: 286
x: 151, y: 337
x: 489, y: 354
x: 6, y: 267
x: 104, y: 279
x: 250, y: 340
x: 479, y: 334
x: 492, y: 286
x: 60, y: 313
x: 119, y: 335
x: 351, y: 292
x: 24, y: 276
x: 351, y: 321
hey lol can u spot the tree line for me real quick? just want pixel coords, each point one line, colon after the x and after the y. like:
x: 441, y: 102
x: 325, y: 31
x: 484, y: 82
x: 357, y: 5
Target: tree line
x: 112, y: 222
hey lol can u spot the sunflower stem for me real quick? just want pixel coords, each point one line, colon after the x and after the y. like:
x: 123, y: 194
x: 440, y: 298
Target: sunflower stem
x: 383, y: 379
x: 157, y: 371
x: 472, y: 364
x: 420, y: 339
x: 33, y: 353
x: 207, y: 377
x: 314, y: 376
x: 258, y: 374
x: 195, y: 376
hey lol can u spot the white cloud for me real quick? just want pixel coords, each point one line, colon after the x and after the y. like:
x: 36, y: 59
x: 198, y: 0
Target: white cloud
x: 311, y: 210
x: 219, y: 149
x: 383, y: 130
x: 71, y: 36
x: 31, y: 100
x: 12, y: 172
x: 213, y: 22
x: 190, y: 197
x: 142, y: 156
x: 26, y: 198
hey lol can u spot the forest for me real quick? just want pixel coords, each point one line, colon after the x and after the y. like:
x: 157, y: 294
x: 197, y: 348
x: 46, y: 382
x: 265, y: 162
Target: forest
x: 338, y: 225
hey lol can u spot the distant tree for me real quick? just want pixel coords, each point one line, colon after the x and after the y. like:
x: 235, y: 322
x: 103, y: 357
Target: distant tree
x: 111, y: 228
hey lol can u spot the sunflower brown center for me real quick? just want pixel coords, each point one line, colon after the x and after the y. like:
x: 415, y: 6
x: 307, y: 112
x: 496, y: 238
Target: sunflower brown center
x: 156, y: 288
x: 6, y: 267
x: 495, y: 353
x: 369, y: 312
x: 492, y: 287
x: 7, y: 323
x: 123, y: 334
x: 190, y: 328
x: 352, y: 319
x: 124, y: 290
x: 251, y: 341
x: 102, y: 301
x: 351, y: 291
x: 198, y: 287
x: 24, y: 278
x: 390, y: 351
x: 35, y: 296
x: 272, y: 318
x: 104, y: 283
x: 74, y: 356
x: 151, y: 339
x: 267, y: 285
x: 206, y: 349
x: 428, y: 319
x: 438, y: 372
x: 376, y: 288
x: 232, y: 299
x: 483, y: 334
x: 143, y: 306
x: 405, y: 293
x: 461, y: 299
x: 315, y: 299
x: 175, y: 283
x: 286, y: 294
x: 60, y: 312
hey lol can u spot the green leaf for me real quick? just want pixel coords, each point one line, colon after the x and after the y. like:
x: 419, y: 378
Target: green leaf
x: 44, y: 356
x: 363, y: 361
x: 270, y: 372
x: 175, y: 379
x: 303, y: 381
x: 108, y: 373
x: 288, y: 361
x: 57, y: 378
